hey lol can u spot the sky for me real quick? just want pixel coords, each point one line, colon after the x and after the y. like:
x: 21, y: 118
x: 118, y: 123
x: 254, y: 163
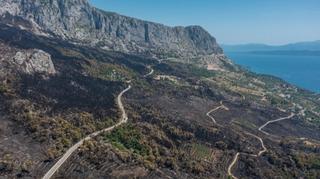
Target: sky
x: 273, y: 22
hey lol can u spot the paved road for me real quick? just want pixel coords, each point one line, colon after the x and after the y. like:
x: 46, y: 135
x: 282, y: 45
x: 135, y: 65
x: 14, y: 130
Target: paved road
x: 273, y: 121
x: 64, y: 158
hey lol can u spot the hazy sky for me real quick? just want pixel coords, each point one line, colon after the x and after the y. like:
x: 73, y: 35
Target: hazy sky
x: 231, y: 21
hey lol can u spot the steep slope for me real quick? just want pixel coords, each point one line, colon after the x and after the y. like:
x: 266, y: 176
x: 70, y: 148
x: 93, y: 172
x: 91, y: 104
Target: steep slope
x: 168, y: 134
x: 77, y: 20
x: 183, y: 121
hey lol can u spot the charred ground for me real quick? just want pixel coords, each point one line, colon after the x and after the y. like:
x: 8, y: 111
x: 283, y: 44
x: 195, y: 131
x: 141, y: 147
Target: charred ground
x: 169, y: 133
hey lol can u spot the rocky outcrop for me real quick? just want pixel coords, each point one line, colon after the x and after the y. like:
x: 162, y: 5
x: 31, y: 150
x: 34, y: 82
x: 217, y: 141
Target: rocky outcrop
x: 76, y: 20
x: 25, y: 61
x: 34, y: 61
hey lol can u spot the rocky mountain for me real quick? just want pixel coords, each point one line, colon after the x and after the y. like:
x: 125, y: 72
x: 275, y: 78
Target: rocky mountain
x: 76, y: 20
x: 90, y: 94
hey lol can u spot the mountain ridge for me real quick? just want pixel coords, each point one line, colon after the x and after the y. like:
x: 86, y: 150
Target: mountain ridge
x: 184, y: 121
x: 78, y: 20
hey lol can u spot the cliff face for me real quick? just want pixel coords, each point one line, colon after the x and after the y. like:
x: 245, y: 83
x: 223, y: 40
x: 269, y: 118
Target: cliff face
x: 77, y: 20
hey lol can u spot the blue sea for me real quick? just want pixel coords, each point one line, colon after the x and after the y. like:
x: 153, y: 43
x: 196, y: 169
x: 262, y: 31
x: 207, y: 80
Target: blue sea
x: 303, y: 71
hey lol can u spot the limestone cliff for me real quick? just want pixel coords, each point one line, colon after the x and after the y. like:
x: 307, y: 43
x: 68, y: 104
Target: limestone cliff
x: 78, y: 21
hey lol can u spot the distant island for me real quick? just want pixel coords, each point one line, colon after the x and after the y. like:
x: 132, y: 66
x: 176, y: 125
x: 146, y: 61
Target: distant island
x: 301, y: 48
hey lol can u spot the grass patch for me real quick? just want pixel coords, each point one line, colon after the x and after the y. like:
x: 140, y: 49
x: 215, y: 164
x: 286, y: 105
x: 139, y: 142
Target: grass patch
x: 128, y: 138
x: 200, y: 72
x: 109, y: 72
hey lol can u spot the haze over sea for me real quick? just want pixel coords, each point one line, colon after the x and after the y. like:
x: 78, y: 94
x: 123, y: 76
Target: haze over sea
x: 303, y: 71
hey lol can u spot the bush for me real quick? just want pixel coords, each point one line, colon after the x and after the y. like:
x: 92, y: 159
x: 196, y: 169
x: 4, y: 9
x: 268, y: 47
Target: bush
x: 127, y: 137
x: 3, y: 88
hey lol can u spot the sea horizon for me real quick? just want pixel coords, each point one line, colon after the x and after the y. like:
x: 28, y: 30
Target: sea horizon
x: 299, y: 70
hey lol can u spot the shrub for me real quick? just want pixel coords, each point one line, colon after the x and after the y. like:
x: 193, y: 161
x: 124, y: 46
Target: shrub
x: 3, y: 88
x: 127, y: 137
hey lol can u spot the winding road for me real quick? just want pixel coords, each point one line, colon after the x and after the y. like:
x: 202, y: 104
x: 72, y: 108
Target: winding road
x: 264, y: 148
x: 215, y: 109
x: 64, y: 158
x: 273, y: 121
x: 234, y: 161
x: 236, y: 158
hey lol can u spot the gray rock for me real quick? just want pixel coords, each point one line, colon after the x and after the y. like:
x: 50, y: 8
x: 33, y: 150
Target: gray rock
x: 34, y: 61
x: 78, y: 21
